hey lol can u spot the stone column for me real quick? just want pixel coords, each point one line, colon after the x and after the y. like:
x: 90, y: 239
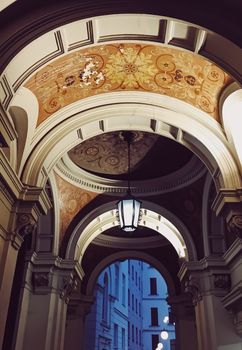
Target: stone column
x: 20, y: 208
x: 209, y: 281
x: 48, y: 284
x: 78, y: 307
x: 183, y: 314
x: 9, y: 246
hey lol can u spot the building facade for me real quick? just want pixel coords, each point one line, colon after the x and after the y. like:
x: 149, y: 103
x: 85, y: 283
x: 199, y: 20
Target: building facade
x: 130, y: 309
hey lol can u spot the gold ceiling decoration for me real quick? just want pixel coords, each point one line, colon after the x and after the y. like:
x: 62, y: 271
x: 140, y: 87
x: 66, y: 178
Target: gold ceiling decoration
x: 71, y: 200
x: 128, y: 67
x: 108, y: 153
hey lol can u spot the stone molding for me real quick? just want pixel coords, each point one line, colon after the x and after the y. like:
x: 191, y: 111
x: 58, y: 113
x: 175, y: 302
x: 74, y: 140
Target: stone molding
x: 188, y: 174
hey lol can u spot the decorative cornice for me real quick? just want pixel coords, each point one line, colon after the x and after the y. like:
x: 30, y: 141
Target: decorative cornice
x: 188, y: 174
x: 227, y: 199
x: 128, y: 243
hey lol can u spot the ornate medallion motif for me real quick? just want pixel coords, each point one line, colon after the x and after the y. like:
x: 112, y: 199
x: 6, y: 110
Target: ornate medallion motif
x: 129, y: 66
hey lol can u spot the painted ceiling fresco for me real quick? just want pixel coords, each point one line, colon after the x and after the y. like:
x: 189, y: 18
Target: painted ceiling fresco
x: 108, y: 153
x: 128, y: 67
x: 71, y: 200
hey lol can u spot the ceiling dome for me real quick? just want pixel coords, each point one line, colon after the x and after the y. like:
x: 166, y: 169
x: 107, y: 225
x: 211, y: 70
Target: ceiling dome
x: 106, y: 155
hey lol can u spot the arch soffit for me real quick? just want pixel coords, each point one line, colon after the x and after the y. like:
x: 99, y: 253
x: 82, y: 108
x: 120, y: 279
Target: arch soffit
x: 96, y: 30
x: 153, y: 216
x: 130, y: 254
x: 163, y: 115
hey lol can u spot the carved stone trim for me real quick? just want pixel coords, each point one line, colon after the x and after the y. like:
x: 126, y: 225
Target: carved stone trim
x: 193, y: 170
x: 221, y: 281
x: 192, y: 286
x: 235, y: 225
x: 69, y: 286
x: 25, y: 225
x: 40, y: 279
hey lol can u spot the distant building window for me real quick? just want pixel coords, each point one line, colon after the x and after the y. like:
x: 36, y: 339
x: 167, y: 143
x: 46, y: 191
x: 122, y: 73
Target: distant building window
x: 129, y: 266
x: 123, y: 339
x: 105, y: 299
x: 153, y: 286
x: 136, y: 278
x: 128, y: 332
x: 154, y: 340
x: 132, y: 333
x: 136, y: 306
x: 136, y: 333
x: 128, y: 297
x: 139, y: 309
x: 115, y: 335
x: 123, y: 289
x: 139, y: 283
x: 132, y: 271
x: 154, y: 316
x: 139, y: 337
x: 132, y: 301
x: 117, y: 280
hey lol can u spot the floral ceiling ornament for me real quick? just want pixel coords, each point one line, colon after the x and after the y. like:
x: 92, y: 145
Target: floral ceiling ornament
x: 128, y: 66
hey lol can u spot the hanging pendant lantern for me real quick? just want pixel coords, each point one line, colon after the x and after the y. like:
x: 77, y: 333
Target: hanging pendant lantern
x: 129, y: 207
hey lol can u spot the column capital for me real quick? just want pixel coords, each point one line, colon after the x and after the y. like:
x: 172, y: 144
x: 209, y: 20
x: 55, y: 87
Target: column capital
x: 208, y: 276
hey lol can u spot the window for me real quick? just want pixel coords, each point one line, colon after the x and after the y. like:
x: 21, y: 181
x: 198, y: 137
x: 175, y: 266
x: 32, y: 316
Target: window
x: 136, y: 306
x: 139, y: 309
x: 105, y: 299
x: 132, y: 301
x: 136, y: 333
x: 123, y: 339
x: 132, y: 268
x: 132, y: 333
x: 153, y: 286
x: 129, y: 297
x: 115, y: 335
x: 117, y: 280
x: 136, y: 278
x: 129, y: 332
x: 154, y: 341
x: 139, y: 337
x: 154, y: 316
x: 123, y: 289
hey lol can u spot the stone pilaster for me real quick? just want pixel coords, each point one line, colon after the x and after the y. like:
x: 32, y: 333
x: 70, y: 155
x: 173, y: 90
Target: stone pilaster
x: 79, y: 306
x: 183, y: 314
x: 209, y: 281
x: 48, y: 286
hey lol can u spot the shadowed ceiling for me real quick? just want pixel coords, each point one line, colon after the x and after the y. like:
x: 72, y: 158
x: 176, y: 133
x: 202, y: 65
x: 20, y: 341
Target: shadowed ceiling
x: 107, y: 156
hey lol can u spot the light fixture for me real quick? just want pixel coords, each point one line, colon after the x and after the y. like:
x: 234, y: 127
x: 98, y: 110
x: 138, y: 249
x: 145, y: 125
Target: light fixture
x: 128, y: 207
x: 164, y: 335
